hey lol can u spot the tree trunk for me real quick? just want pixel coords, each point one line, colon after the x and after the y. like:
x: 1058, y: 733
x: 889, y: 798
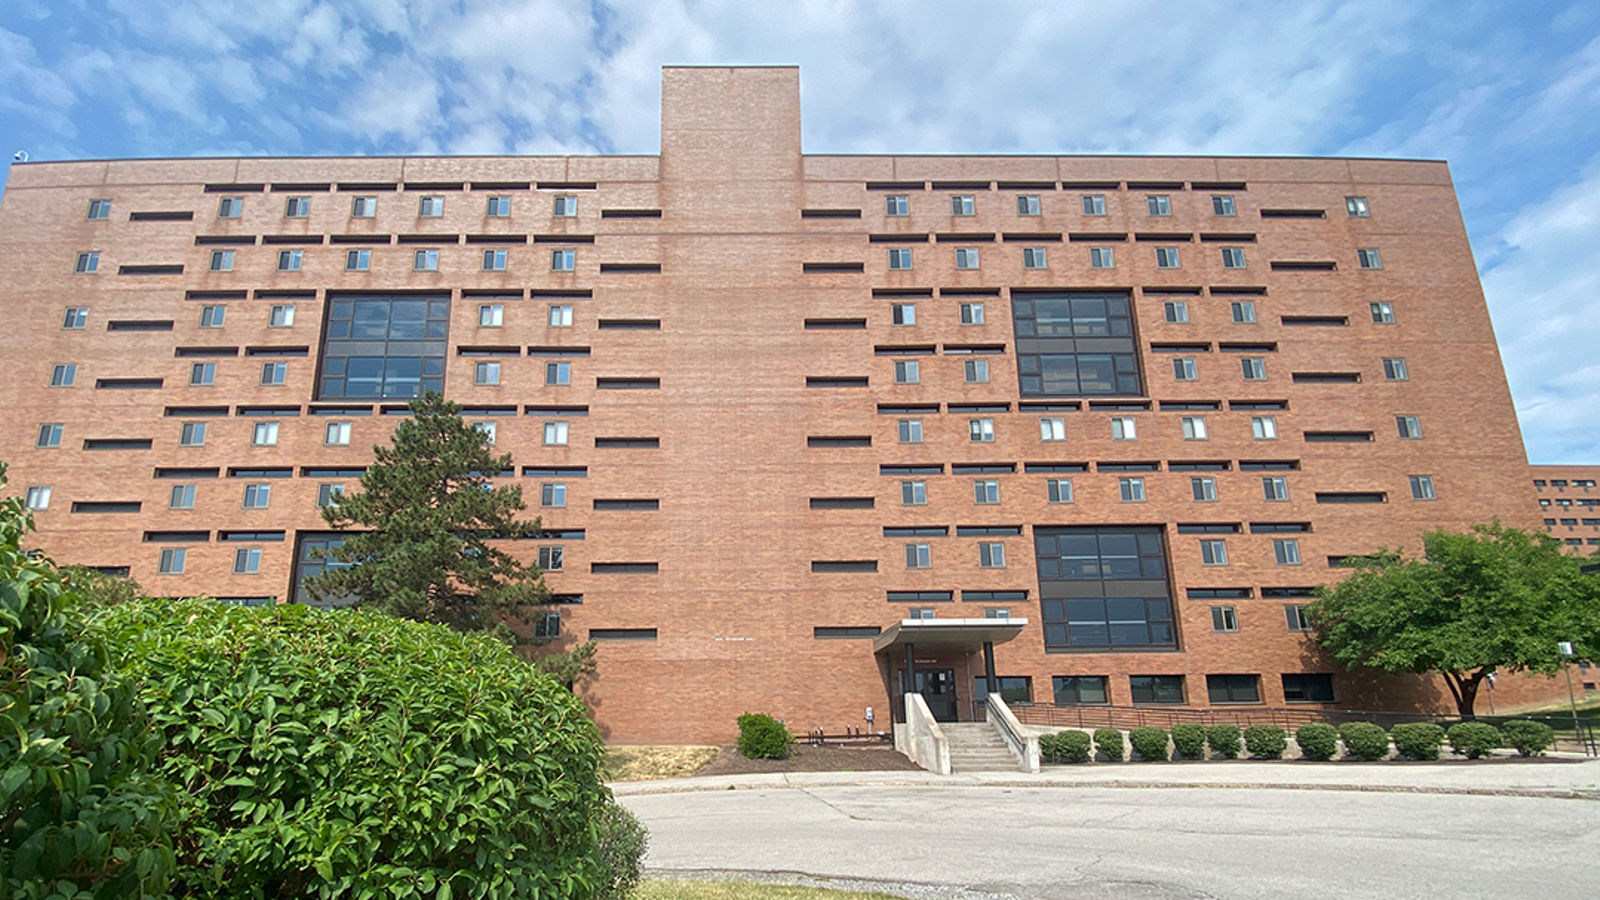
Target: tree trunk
x: 1464, y: 690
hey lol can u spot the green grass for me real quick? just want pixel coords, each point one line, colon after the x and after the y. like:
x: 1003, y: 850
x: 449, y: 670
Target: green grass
x: 742, y: 890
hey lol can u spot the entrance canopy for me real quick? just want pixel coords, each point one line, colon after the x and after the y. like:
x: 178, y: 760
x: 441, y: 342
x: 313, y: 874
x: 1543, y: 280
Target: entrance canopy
x: 948, y: 632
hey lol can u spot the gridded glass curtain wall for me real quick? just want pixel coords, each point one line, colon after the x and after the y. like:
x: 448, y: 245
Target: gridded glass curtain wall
x: 1075, y: 344
x: 311, y: 560
x: 384, y: 346
x: 1104, y: 588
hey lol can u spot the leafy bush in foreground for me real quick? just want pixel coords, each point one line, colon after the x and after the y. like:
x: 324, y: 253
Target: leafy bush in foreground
x: 622, y: 844
x: 1224, y: 740
x: 1108, y: 742
x: 763, y: 737
x: 1189, y: 740
x: 1417, y: 740
x: 1317, y: 740
x: 1266, y: 741
x: 1150, y: 743
x: 346, y: 753
x: 1364, y: 740
x: 1473, y: 739
x: 1527, y: 737
x: 1066, y: 746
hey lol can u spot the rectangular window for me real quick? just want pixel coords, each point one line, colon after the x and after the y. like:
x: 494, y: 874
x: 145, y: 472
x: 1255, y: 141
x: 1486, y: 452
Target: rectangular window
x: 1080, y: 690
x: 49, y: 435
x: 560, y: 317
x: 903, y: 313
x: 212, y: 316
x: 991, y: 555
x: 202, y: 374
x: 919, y: 556
x: 558, y: 373
x: 431, y: 207
x: 265, y: 434
x: 1222, y: 205
x: 1059, y: 490
x: 1254, y: 368
x: 182, y: 497
x: 905, y: 371
x: 337, y: 434
x: 1194, y: 428
x: 1094, y: 204
x: 972, y: 313
x: 257, y: 496
x: 1307, y: 688
x: 986, y: 491
x: 1052, y: 429
x: 363, y: 207
x: 1027, y: 204
x: 1357, y: 207
x: 1131, y: 606
x: 296, y: 207
x: 565, y: 207
x: 897, y: 205
x: 1214, y: 552
x: 1224, y: 619
x: 1274, y: 487
x: 290, y: 260
x: 172, y: 560
x: 563, y: 260
x: 1131, y: 489
x: 193, y: 434
x: 491, y: 316
x: 230, y: 207
x: 1409, y: 427
x: 910, y: 431
x: 382, y: 346
x: 1382, y: 313
x: 1422, y: 487
x: 247, y: 561
x: 499, y: 207
x: 38, y: 498
x: 913, y: 493
x: 1204, y: 488
x: 1232, y: 258
x: 551, y: 558
x: 1296, y: 615
x: 1183, y: 368
x: 1102, y: 258
x: 222, y: 260
x: 1167, y: 258
x: 1233, y: 688
x: 76, y: 318
x: 962, y: 205
x: 981, y: 430
x: 966, y: 257
x: 553, y: 495
x: 1244, y: 312
x: 494, y: 260
x: 87, y: 264
x: 487, y: 429
x: 976, y: 370
x: 555, y: 434
x: 1395, y: 370
x: 274, y: 373
x: 64, y: 375
x: 99, y: 209
x: 1156, y: 688
x: 1286, y: 551
x: 899, y: 258
x: 486, y: 373
x: 358, y: 260
x: 329, y: 495
x: 1158, y: 204
x: 1264, y: 428
x: 1369, y: 259
x: 281, y: 316
x: 1176, y: 312
x: 1033, y: 258
x: 426, y: 261
x: 1123, y: 428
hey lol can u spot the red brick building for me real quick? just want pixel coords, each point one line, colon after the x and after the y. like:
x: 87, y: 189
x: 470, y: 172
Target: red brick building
x: 1569, y: 505
x: 782, y: 414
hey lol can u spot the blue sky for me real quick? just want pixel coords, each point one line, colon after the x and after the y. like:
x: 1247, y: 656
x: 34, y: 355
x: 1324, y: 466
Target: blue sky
x: 1509, y: 93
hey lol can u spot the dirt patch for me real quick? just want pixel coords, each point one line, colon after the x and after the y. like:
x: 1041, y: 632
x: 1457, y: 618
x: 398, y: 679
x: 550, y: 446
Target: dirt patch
x: 806, y: 758
x: 645, y: 763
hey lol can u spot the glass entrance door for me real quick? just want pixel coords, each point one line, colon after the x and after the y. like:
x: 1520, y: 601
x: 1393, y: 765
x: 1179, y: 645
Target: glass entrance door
x: 938, y: 690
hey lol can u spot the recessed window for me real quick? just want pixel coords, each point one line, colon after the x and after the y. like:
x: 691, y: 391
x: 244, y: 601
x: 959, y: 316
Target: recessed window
x: 222, y: 260
x: 1264, y: 428
x: 431, y: 207
x: 558, y: 373
x: 910, y: 431
x: 1232, y: 257
x: 1395, y: 370
x: 265, y: 434
x: 563, y: 260
x: 1203, y: 488
x: 296, y: 207
x: 986, y: 491
x: 1286, y: 551
x: 247, y: 561
x: 897, y: 205
x: 1244, y: 312
x: 49, y: 435
x: 76, y: 318
x: 494, y: 260
x: 1422, y: 487
x: 565, y: 207
x: 1131, y: 489
x: 192, y: 434
x: 230, y: 207
x: 553, y: 495
x: 499, y: 207
x: 38, y: 497
x: 1307, y: 688
x: 1027, y: 204
x: 1033, y: 258
x: 1123, y: 428
x: 1295, y: 614
x: 1176, y: 312
x: 1194, y: 428
x: 966, y: 257
x: 99, y: 209
x: 905, y: 371
x: 64, y: 375
x: 913, y: 493
x: 257, y: 496
x: 1254, y: 368
x: 1094, y: 204
x: 290, y: 260
x: 1369, y: 258
x: 1222, y: 205
x: 962, y: 205
x: 1382, y: 313
x: 486, y: 373
x: 1080, y: 690
x: 551, y: 558
x: 903, y: 313
x: 358, y: 260
x: 972, y: 313
x: 274, y: 373
x: 1409, y: 427
x: 1274, y: 488
x: 172, y: 560
x: 1156, y: 688
x: 555, y: 434
x: 491, y: 315
x: 487, y: 429
x: 1214, y: 552
x: 181, y: 497
x: 426, y: 261
x: 1167, y: 258
x: 981, y: 430
x: 991, y: 555
x: 1183, y: 368
x: 1052, y: 429
x: 899, y: 258
x: 281, y: 316
x: 560, y: 317
x: 1224, y: 619
x: 1357, y: 207
x: 329, y: 495
x: 363, y: 207
x: 1233, y: 688
x: 976, y: 371
x: 919, y: 556
x: 1102, y: 258
x: 337, y: 434
x: 202, y: 374
x: 87, y: 263
x: 1158, y: 204
x: 1059, y: 490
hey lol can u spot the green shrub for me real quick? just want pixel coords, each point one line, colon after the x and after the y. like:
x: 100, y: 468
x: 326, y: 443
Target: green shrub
x: 1364, y: 740
x: 1189, y: 740
x: 1266, y: 741
x: 83, y: 813
x: 1066, y: 747
x: 1108, y: 741
x: 1527, y: 737
x: 763, y: 737
x: 622, y: 842
x: 351, y: 753
x: 1224, y: 740
x: 1417, y: 740
x: 1473, y: 739
x: 1150, y: 743
x: 1317, y: 740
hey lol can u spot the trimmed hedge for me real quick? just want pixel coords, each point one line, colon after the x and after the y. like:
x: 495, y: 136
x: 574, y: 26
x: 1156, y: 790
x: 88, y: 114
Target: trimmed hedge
x: 1527, y: 737
x: 1266, y: 741
x: 1224, y: 740
x: 1150, y: 743
x: 1108, y: 742
x: 1417, y: 740
x: 1473, y: 739
x: 1066, y: 747
x: 763, y: 737
x: 1189, y: 740
x: 1364, y: 740
x: 1317, y: 740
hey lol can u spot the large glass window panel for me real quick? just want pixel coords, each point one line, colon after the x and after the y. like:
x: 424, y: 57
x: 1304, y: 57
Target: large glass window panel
x: 379, y: 347
x: 1104, y: 588
x: 1078, y: 343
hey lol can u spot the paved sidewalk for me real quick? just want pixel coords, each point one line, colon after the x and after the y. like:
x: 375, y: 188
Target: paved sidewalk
x: 1557, y: 777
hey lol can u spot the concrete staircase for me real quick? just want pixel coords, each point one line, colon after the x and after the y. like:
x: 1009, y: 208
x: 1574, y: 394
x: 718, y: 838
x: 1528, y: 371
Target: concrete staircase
x: 977, y: 747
